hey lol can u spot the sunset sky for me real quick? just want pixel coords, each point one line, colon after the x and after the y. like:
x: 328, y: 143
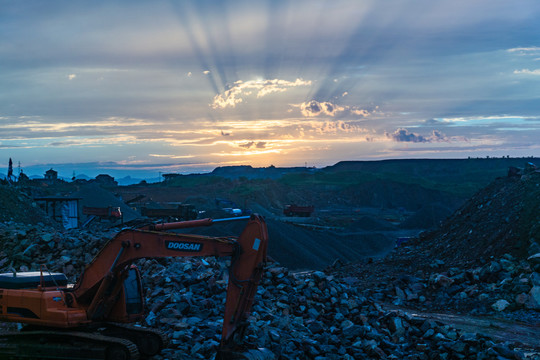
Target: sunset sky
x: 186, y: 86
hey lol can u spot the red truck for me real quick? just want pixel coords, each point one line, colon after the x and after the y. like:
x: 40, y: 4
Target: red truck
x: 104, y: 212
x: 111, y: 213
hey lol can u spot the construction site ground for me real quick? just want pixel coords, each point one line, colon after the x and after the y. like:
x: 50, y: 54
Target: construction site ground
x: 476, y: 253
x: 492, y: 326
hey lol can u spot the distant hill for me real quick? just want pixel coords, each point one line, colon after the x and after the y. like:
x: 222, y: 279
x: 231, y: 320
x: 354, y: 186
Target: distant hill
x: 246, y: 171
x: 461, y: 177
x: 128, y: 180
x: 436, y: 168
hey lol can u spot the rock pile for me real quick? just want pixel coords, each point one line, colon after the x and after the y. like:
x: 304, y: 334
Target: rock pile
x: 16, y: 206
x: 503, y: 218
x: 309, y: 316
x: 484, y: 259
x: 25, y: 247
x: 296, y: 316
x: 506, y: 284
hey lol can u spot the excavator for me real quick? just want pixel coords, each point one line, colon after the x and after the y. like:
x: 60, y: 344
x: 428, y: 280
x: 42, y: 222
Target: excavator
x: 91, y: 318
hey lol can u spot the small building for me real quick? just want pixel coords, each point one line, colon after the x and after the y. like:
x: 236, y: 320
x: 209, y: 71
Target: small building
x: 105, y: 179
x: 64, y: 210
x: 51, y: 175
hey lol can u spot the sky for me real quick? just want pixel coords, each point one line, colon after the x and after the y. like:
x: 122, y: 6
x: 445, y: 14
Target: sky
x: 148, y: 87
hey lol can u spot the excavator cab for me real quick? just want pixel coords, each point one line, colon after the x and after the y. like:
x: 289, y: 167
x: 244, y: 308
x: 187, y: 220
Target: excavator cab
x: 130, y: 305
x: 133, y: 292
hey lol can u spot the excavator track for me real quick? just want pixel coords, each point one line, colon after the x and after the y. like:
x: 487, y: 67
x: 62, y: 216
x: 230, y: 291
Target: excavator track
x: 149, y: 341
x: 66, y: 345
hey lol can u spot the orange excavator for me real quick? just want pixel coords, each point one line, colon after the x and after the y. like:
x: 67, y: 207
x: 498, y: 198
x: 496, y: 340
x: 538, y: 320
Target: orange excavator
x: 90, y: 319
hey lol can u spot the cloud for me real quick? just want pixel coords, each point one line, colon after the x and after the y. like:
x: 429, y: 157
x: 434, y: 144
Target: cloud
x: 247, y: 145
x: 527, y: 72
x: 35, y: 126
x: 258, y: 145
x: 360, y: 112
x: 493, y: 120
x: 312, y: 108
x: 64, y: 143
x: 403, y: 135
x: 315, y: 108
x: 431, y: 122
x: 169, y: 156
x: 436, y: 135
x: 236, y: 93
x: 3, y: 146
x: 524, y: 49
x: 334, y: 127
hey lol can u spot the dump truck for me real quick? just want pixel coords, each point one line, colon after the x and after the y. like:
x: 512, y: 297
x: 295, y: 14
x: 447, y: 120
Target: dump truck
x: 181, y: 212
x: 295, y: 210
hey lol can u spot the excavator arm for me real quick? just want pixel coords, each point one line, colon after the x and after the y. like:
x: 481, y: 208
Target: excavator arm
x: 100, y: 283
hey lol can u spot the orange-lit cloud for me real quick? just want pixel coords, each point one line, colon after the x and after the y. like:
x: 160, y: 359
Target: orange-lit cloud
x: 240, y: 90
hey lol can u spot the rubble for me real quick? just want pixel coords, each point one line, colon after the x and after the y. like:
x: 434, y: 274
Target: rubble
x: 310, y: 315
x: 504, y: 285
x: 26, y: 247
x: 477, y: 257
x: 16, y: 206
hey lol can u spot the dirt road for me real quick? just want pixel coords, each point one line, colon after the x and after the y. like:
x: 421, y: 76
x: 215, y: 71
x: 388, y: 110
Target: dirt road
x: 496, y: 328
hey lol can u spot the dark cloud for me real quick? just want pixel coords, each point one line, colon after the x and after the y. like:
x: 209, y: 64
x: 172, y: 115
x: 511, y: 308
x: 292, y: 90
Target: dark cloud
x: 258, y: 145
x: 316, y: 108
x: 329, y: 107
x: 313, y: 107
x: 438, y: 136
x: 403, y: 135
x: 247, y: 145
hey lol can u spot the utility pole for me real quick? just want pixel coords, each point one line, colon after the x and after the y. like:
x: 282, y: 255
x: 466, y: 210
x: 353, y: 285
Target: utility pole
x: 10, y: 170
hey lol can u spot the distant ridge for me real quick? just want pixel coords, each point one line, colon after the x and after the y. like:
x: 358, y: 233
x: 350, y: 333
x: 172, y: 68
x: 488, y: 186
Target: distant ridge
x: 247, y: 171
x: 376, y: 165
